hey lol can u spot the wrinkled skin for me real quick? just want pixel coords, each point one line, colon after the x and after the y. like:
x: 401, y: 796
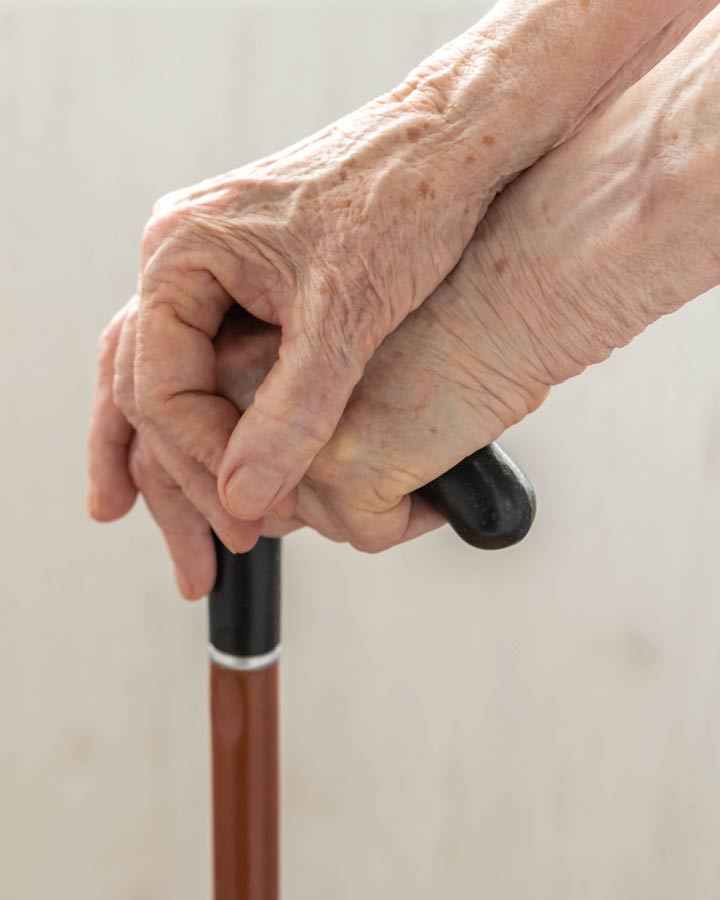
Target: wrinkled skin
x: 554, y: 278
x: 340, y: 237
x: 562, y: 271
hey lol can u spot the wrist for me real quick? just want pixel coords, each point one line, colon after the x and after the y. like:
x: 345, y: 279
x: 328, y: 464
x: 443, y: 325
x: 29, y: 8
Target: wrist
x: 606, y: 235
x: 518, y: 83
x: 459, y: 105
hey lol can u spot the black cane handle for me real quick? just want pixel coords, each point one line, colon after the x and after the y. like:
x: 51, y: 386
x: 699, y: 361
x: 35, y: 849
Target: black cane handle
x: 486, y: 498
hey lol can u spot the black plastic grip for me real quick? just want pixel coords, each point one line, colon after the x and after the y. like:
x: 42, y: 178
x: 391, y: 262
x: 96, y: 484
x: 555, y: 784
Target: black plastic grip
x: 486, y: 498
x: 244, y: 606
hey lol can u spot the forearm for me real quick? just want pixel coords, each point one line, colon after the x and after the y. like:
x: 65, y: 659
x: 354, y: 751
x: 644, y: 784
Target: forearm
x: 596, y: 253
x: 495, y: 99
x: 610, y: 231
x: 481, y: 109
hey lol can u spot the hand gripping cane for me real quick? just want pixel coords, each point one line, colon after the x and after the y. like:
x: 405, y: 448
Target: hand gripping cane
x: 489, y: 502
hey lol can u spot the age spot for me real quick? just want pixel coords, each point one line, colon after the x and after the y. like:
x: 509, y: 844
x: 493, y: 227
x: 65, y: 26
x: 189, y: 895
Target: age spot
x: 425, y: 189
x: 413, y: 134
x: 500, y: 265
x: 488, y: 140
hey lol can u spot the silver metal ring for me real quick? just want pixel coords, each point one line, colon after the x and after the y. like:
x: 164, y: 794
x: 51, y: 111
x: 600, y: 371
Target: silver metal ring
x: 243, y: 663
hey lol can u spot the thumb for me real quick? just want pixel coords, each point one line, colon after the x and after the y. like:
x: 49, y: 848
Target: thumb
x: 293, y: 415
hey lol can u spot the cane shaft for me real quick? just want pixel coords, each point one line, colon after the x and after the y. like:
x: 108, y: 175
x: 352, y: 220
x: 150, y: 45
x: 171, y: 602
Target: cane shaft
x: 488, y: 501
x: 244, y: 717
x: 244, y: 631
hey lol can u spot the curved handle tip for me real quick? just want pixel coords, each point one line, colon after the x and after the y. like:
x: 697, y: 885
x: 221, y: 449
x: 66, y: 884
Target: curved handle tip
x: 487, y: 499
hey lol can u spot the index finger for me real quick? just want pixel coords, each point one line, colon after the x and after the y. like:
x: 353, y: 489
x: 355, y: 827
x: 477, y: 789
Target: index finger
x: 175, y: 368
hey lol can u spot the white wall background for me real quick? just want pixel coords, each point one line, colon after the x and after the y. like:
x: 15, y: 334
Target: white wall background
x: 548, y: 728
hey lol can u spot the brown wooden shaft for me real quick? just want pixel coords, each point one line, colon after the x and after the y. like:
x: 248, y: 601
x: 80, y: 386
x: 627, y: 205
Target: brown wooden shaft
x: 244, y: 725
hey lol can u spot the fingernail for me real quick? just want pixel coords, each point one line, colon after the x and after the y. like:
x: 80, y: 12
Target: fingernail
x: 251, y: 490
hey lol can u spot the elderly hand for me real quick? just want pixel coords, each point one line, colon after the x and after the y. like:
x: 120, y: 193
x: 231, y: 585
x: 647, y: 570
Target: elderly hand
x: 338, y: 238
x: 608, y: 232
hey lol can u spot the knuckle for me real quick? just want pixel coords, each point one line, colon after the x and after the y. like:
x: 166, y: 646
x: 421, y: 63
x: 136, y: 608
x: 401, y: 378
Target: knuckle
x: 381, y: 488
x: 372, y: 532
x: 141, y: 465
x: 149, y: 393
x: 125, y: 400
x: 123, y: 395
x: 162, y: 224
x: 360, y: 485
x: 186, y: 481
x: 164, y: 203
x: 366, y: 507
x: 363, y: 545
x: 106, y: 347
x: 145, y: 397
x: 368, y: 537
x: 110, y: 337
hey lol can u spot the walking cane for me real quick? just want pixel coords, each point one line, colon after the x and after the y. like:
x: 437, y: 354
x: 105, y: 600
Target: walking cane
x: 489, y: 502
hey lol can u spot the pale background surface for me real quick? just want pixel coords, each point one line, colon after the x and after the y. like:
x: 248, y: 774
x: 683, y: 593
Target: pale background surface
x: 547, y: 727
